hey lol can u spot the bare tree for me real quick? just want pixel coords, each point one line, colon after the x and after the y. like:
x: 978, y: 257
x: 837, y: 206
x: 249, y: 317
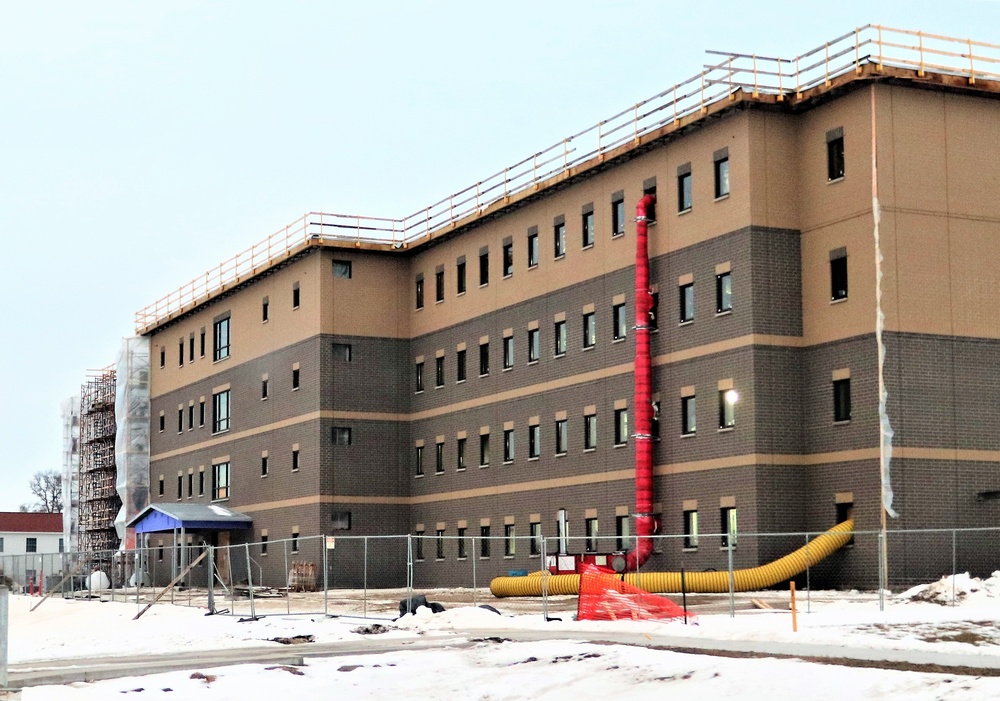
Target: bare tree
x: 47, y: 489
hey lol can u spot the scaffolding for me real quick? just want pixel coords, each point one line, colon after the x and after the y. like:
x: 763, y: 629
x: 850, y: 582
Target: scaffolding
x: 98, y: 497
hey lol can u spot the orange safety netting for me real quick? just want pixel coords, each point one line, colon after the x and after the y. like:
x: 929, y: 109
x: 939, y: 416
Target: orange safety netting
x: 605, y: 597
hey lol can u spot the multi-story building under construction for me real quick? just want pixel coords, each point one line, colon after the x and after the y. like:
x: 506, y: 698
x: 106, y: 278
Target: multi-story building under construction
x: 468, y: 370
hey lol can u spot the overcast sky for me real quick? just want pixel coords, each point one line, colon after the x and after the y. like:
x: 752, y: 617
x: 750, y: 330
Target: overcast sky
x: 142, y: 143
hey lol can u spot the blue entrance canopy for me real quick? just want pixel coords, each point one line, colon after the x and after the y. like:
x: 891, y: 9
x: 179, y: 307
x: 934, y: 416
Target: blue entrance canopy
x: 207, y: 517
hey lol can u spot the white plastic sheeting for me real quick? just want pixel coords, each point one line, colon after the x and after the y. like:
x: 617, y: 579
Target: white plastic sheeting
x: 70, y: 409
x: 132, y: 438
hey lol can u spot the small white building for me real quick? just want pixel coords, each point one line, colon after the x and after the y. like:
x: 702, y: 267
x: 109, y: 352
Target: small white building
x: 29, y: 546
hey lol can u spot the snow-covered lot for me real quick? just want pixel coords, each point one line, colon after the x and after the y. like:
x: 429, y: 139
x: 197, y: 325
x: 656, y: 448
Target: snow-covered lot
x: 475, y: 662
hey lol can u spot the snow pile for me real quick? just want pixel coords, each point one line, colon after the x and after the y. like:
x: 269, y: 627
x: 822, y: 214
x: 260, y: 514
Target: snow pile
x: 958, y: 589
x: 464, y: 618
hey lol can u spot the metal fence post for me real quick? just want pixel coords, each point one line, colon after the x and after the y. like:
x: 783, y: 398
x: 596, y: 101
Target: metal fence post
x: 326, y: 581
x: 545, y: 581
x: 881, y: 576
x: 4, y: 619
x: 211, y: 579
x: 409, y: 569
x: 364, y: 584
x: 253, y: 612
x: 732, y: 581
x: 288, y: 588
x: 808, y: 582
x: 953, y: 565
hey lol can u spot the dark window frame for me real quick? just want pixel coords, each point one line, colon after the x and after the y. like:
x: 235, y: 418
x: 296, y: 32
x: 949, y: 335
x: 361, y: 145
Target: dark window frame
x: 724, y: 292
x: 842, y: 400
x: 686, y: 301
x: 689, y: 415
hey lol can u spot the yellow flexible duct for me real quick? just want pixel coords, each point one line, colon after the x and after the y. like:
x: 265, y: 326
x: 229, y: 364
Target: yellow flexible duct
x: 750, y: 579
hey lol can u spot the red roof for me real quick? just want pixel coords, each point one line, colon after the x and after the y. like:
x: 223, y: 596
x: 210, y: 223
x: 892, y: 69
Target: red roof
x: 20, y: 522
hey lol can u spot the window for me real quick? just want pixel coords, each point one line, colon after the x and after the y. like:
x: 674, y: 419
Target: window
x: 589, y: 432
x: 191, y: 349
x: 201, y: 482
x: 508, y: 259
x: 418, y: 370
x: 295, y: 378
x: 161, y: 487
x: 159, y: 553
x: 618, y: 214
x: 484, y: 359
x: 296, y: 296
x: 727, y: 408
x: 508, y: 540
x: 722, y: 177
x: 439, y: 371
x: 460, y: 277
x: 532, y: 247
x: 621, y: 426
x: 533, y: 345
x: 684, y: 190
x: 295, y: 542
x: 163, y: 421
x: 649, y: 188
x: 835, y: 154
x: 562, y: 436
x: 590, y: 543
x: 460, y: 454
x: 560, y: 336
x: 263, y: 466
x: 180, y: 486
x: 163, y: 356
x: 687, y: 302
x: 190, y: 416
x: 341, y: 435
x: 838, y: 274
x: 728, y: 525
x: 842, y: 400
x: 654, y: 312
x: 508, y: 352
x: 31, y: 545
x: 220, y: 411
x: 439, y: 544
x: 180, y: 420
x: 62, y: 545
x: 689, y: 421
x: 462, y: 551
x: 618, y: 318
x: 845, y: 511
x: 201, y: 343
x: 201, y: 413
x: 589, y: 330
x: 420, y: 293
x: 508, y: 445
x: 534, y: 441
x: 484, y: 268
x: 439, y: 286
x: 484, y: 450
x: 220, y: 481
x: 559, y: 238
x: 723, y: 292
x: 622, y: 533
x: 418, y: 545
x: 439, y: 458
x: 180, y: 353
x: 690, y: 530
x: 295, y: 460
x: 190, y: 485
x: 587, y: 227
x: 418, y: 460
x: 264, y: 309
x: 536, y: 538
x: 342, y: 268
x: 342, y: 352
x: 263, y: 544
x: 220, y: 349
x: 460, y: 366
x: 484, y: 541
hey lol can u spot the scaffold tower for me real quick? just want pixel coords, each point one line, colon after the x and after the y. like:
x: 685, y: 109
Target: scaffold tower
x: 99, y: 500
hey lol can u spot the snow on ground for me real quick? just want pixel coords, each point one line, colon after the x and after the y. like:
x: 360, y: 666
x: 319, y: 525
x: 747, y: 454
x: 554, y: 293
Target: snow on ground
x: 490, y: 670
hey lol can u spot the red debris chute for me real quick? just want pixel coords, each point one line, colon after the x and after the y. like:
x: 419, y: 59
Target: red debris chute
x: 605, y: 597
x: 645, y: 524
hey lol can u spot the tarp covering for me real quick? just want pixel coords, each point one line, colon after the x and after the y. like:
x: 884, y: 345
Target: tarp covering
x: 132, y: 438
x: 605, y: 597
